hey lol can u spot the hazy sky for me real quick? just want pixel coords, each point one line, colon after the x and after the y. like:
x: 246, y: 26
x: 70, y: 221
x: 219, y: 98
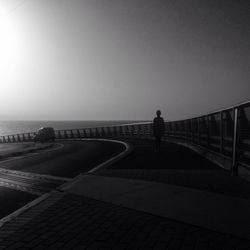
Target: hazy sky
x: 122, y: 59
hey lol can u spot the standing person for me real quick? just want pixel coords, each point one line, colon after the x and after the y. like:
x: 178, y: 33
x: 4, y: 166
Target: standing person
x: 158, y: 130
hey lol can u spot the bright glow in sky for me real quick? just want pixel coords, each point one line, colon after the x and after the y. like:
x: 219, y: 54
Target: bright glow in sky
x: 116, y: 59
x: 10, y: 46
x: 12, y: 59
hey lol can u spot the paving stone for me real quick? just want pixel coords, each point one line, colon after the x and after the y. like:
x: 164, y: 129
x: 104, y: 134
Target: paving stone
x: 40, y: 247
x: 103, y: 225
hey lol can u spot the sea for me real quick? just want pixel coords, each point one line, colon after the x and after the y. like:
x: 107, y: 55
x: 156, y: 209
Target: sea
x: 16, y: 127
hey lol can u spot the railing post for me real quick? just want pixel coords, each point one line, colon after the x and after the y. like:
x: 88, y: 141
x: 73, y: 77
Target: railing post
x: 84, y: 133
x: 59, y: 134
x: 234, y: 169
x: 191, y: 130
x: 78, y: 133
x: 136, y: 130
x: 114, y: 131
x: 90, y: 132
x: 103, y: 132
x: 127, y: 131
x: 108, y: 131
x: 65, y: 134
x: 120, y: 131
x: 97, y: 132
x: 141, y: 130
x: 130, y: 130
x: 144, y: 130
x: 221, y: 132
x: 199, y: 132
x: 184, y: 132
x: 134, y: 133
x: 208, y: 131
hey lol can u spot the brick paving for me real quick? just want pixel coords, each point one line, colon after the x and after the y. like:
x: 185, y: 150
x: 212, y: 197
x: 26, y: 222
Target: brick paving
x: 69, y: 221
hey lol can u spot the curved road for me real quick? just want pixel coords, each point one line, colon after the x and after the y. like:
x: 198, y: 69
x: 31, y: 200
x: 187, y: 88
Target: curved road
x: 68, y: 161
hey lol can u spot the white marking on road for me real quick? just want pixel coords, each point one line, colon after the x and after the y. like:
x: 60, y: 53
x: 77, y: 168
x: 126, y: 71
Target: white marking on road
x: 128, y: 149
x: 33, y: 175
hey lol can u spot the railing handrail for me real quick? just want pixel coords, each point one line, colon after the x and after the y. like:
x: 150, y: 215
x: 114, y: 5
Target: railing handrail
x: 240, y: 104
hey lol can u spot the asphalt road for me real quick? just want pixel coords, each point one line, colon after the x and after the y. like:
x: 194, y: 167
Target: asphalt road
x: 68, y: 161
x: 72, y: 158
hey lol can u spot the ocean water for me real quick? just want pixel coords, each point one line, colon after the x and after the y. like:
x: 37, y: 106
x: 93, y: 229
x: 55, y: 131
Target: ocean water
x: 15, y: 127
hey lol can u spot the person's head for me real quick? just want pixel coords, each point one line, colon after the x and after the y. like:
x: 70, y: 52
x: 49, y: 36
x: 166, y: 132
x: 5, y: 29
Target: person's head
x: 158, y: 113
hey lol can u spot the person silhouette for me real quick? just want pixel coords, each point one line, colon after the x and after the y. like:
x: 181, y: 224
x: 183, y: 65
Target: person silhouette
x: 158, y: 130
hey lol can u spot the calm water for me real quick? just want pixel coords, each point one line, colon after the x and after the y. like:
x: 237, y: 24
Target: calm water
x: 14, y: 127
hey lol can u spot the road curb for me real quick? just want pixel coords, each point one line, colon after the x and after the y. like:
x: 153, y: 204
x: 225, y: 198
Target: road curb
x: 128, y: 149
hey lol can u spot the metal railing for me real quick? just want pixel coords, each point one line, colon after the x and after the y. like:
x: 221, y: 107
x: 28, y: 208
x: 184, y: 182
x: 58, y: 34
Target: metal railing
x: 225, y: 132
x: 124, y: 130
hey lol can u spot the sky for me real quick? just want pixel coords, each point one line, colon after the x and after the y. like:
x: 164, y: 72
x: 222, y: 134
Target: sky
x: 122, y: 60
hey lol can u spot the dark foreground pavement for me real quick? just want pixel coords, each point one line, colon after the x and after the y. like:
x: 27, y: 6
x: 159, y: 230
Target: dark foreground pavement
x: 70, y: 219
x: 12, y: 200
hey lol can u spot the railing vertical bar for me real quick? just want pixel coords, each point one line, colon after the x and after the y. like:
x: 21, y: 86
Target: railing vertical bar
x: 221, y: 132
x: 235, y: 135
x: 208, y: 130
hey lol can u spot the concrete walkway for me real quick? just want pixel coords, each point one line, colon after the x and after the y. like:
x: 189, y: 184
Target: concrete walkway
x: 71, y: 220
x: 98, y: 211
x: 216, y: 212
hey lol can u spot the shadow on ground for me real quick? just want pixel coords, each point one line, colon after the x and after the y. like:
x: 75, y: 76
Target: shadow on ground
x: 172, y: 156
x: 177, y: 165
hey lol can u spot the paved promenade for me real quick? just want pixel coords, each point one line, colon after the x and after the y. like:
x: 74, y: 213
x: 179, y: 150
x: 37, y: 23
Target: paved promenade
x: 131, y: 205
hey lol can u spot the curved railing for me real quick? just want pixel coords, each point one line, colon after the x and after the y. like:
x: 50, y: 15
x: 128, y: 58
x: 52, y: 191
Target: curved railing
x: 225, y: 132
x: 133, y: 129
